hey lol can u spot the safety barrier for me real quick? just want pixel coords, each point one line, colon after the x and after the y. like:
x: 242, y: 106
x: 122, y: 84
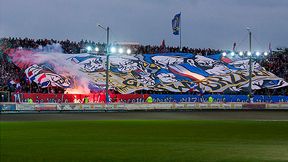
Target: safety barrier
x: 46, y: 107
x: 136, y: 98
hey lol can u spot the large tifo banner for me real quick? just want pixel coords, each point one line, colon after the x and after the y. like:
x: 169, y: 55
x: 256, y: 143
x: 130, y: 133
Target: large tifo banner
x: 174, y: 72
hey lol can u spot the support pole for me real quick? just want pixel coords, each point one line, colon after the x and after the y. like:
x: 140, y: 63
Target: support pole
x: 180, y: 33
x: 107, y: 66
x: 250, y: 67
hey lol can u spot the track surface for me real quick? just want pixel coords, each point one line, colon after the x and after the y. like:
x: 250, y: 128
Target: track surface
x: 194, y: 115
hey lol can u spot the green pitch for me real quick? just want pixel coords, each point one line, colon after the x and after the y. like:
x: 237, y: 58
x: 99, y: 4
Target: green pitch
x: 135, y: 140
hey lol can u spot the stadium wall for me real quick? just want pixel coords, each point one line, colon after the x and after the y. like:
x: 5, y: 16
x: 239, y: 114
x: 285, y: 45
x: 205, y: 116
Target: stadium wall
x: 55, y: 107
x: 136, y: 98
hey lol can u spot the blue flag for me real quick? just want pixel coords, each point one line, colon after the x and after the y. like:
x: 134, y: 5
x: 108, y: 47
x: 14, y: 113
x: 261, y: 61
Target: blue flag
x: 176, y: 24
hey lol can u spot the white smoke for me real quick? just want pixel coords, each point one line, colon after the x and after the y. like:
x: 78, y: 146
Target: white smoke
x: 52, y: 55
x: 55, y: 47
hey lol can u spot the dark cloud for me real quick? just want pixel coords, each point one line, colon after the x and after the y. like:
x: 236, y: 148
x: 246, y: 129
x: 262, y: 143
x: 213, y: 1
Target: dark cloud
x: 205, y: 23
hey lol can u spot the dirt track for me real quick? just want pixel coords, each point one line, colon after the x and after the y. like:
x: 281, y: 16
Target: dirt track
x: 194, y: 115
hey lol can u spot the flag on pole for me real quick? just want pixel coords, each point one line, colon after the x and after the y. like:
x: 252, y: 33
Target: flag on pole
x: 176, y: 24
x: 270, y: 47
x: 234, y: 46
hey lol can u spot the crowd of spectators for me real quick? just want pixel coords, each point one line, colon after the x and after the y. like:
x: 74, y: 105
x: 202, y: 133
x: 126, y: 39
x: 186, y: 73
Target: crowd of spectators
x: 8, y: 72
x: 73, y: 47
x: 67, y: 45
x: 164, y: 49
x: 275, y: 63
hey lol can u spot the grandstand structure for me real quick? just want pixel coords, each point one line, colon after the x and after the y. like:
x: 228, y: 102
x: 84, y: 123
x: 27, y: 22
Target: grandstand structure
x: 65, y: 70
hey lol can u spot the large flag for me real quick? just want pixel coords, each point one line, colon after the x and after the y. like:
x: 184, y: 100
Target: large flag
x: 234, y: 46
x: 176, y: 24
x: 270, y: 47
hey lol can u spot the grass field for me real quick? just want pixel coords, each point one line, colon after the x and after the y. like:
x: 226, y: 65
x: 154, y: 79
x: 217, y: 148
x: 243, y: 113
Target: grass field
x: 139, y: 140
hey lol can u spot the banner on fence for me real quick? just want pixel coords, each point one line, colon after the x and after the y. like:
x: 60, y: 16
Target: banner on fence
x: 25, y: 107
x: 138, y: 98
x: 7, y: 107
x: 79, y: 98
x: 43, y: 107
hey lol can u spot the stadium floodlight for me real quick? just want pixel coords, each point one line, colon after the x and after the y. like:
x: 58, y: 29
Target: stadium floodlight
x: 224, y: 54
x: 89, y: 48
x: 96, y: 49
x: 128, y: 51
x: 240, y: 53
x: 265, y: 53
x: 232, y: 54
x: 107, y: 63
x: 120, y: 50
x: 257, y: 53
x: 113, y: 49
x: 249, y: 53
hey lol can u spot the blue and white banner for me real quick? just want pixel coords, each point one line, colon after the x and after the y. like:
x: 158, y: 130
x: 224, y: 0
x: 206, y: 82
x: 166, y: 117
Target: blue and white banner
x: 217, y: 98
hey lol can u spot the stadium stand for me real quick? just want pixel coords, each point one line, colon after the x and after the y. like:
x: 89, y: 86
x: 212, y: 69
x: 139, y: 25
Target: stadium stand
x: 12, y: 79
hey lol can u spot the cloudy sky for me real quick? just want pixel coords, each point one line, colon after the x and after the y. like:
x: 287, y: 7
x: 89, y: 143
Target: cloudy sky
x: 205, y: 23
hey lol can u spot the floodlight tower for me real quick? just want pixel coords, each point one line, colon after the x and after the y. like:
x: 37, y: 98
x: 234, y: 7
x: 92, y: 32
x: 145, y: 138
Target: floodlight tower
x: 107, y: 61
x: 250, y: 65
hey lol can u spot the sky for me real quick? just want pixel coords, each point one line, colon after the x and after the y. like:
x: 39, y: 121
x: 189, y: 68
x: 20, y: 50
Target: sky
x: 205, y: 23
